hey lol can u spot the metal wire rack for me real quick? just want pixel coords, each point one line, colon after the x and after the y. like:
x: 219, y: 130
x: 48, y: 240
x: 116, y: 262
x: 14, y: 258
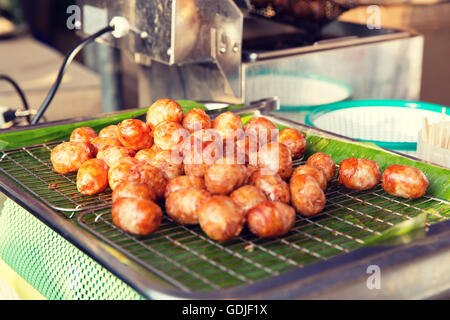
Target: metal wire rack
x: 31, y: 168
x: 188, y: 259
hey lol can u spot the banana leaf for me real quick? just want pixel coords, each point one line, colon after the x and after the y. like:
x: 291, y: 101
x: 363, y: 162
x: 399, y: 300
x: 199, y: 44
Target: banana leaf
x: 403, y: 232
x: 438, y: 177
x: 43, y: 135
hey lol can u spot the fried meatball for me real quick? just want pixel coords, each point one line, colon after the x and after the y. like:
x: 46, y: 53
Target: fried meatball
x: 294, y: 140
x: 112, y: 155
x: 92, y: 178
x: 184, y: 182
x: 135, y: 134
x: 275, y: 188
x: 249, y: 147
x: 229, y: 126
x: 359, y: 174
x: 183, y: 205
x: 248, y: 197
x: 314, y: 172
x: 323, y: 162
x: 154, y: 178
x: 262, y: 129
x: 223, y: 178
x: 146, y: 154
x: 199, y: 140
x: 69, y: 156
x: 169, y: 135
x: 126, y: 170
x: 135, y: 190
x: 250, y: 171
x: 307, y: 195
x: 164, y: 110
x: 271, y: 219
x: 99, y: 143
x: 276, y: 157
x: 196, y: 120
x: 405, y: 182
x: 84, y: 134
x: 138, y: 217
x: 110, y: 132
x: 221, y: 218
x: 197, y: 163
x: 168, y: 162
x: 132, y: 170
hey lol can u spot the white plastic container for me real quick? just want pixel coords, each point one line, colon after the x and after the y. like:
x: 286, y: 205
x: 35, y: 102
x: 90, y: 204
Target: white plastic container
x: 434, y: 152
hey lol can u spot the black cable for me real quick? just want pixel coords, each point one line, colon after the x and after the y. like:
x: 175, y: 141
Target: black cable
x: 69, y: 58
x: 19, y: 91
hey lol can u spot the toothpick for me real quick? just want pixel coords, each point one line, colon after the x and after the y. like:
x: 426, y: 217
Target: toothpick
x: 441, y: 130
x: 427, y: 130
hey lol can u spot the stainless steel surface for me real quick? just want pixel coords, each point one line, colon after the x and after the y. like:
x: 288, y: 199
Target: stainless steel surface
x: 177, y: 32
x: 384, y: 66
x: 194, y: 50
x: 373, y: 64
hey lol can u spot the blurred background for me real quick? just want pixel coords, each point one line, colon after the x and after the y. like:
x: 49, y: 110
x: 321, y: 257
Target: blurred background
x: 34, y: 37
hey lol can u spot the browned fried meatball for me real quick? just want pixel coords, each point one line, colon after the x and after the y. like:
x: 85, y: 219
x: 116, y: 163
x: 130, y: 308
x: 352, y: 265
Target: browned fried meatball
x: 154, y: 178
x: 249, y: 147
x: 126, y: 169
x: 221, y: 219
x: 146, y: 154
x: 112, y: 155
x: 92, y: 177
x: 135, y: 134
x: 248, y: 197
x: 307, y: 195
x: 294, y: 140
x: 229, y: 126
x: 109, y: 132
x: 99, y: 143
x: 183, y: 205
x: 197, y: 163
x: 262, y: 129
x: 133, y: 190
x: 139, y: 217
x: 184, y: 182
x: 271, y: 184
x: 271, y: 219
x: 196, y: 120
x: 276, y: 157
x: 314, y: 172
x: 359, y: 174
x: 168, y: 162
x: 69, y: 156
x: 223, y: 178
x: 405, y: 182
x: 323, y: 162
x: 84, y: 134
x: 198, y: 141
x: 169, y: 135
x: 164, y: 110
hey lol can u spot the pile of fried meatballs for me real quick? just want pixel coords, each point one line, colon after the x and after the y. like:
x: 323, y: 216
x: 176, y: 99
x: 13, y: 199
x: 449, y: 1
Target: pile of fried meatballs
x: 216, y: 174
